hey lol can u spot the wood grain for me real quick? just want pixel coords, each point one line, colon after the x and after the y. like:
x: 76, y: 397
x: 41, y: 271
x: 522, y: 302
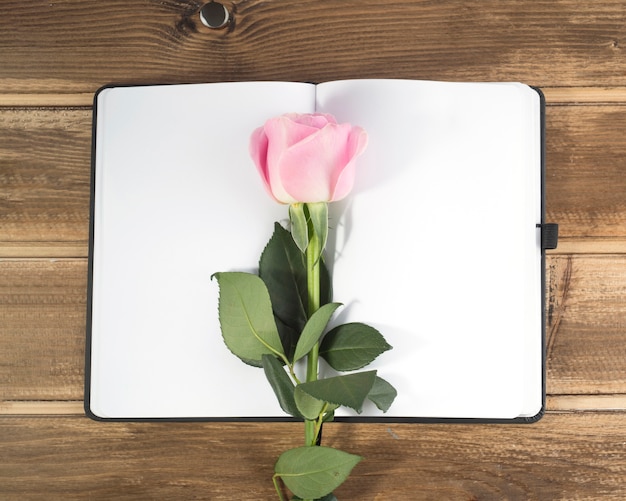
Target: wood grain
x: 586, y: 348
x: 585, y: 165
x: 75, y: 46
x: 580, y: 95
x: 44, y: 176
x: 85, y: 99
x: 590, y: 245
x: 564, y: 456
x: 585, y: 402
x: 42, y: 332
x: 44, y: 407
x: 55, y: 54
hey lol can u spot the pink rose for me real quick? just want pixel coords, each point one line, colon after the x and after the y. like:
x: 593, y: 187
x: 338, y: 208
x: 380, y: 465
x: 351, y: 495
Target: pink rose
x: 307, y: 158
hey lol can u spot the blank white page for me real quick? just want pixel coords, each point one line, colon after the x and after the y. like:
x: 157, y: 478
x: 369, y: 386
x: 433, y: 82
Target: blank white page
x: 177, y: 199
x: 425, y: 249
x: 438, y: 247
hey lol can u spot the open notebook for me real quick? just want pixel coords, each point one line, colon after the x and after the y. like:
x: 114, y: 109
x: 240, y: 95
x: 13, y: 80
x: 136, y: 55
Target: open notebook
x: 452, y: 274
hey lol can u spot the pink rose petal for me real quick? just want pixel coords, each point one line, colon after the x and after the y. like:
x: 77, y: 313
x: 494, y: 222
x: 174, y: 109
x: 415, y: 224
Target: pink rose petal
x: 307, y: 157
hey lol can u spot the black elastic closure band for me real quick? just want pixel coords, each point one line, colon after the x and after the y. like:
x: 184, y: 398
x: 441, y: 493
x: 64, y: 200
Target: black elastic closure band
x: 549, y: 235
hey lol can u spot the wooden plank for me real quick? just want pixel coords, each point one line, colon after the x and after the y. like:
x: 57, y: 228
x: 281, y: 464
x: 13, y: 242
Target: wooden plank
x: 590, y: 245
x: 42, y: 305
x: 42, y: 332
x: 84, y: 99
x: 44, y: 189
x: 43, y: 249
x: 62, y: 47
x: 44, y: 177
x: 56, y: 54
x: 586, y: 314
x: 580, y: 95
x: 585, y: 165
x: 586, y: 403
x: 564, y: 456
x: 42, y: 408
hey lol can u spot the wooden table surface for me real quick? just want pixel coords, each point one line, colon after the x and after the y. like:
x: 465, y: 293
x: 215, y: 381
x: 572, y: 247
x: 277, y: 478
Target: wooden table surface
x: 54, y: 54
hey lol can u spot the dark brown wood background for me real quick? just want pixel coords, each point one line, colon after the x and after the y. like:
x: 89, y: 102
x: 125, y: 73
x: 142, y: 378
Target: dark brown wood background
x: 54, y: 54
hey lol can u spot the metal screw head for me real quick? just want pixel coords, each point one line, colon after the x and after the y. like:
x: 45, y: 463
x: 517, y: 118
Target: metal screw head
x: 214, y: 15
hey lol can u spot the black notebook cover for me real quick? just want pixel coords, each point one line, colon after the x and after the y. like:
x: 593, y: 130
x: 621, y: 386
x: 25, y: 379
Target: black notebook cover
x: 438, y: 246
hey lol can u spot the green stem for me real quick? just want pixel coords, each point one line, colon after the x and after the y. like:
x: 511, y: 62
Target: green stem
x: 320, y: 421
x: 313, y: 287
x: 277, y: 487
x: 313, y: 254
